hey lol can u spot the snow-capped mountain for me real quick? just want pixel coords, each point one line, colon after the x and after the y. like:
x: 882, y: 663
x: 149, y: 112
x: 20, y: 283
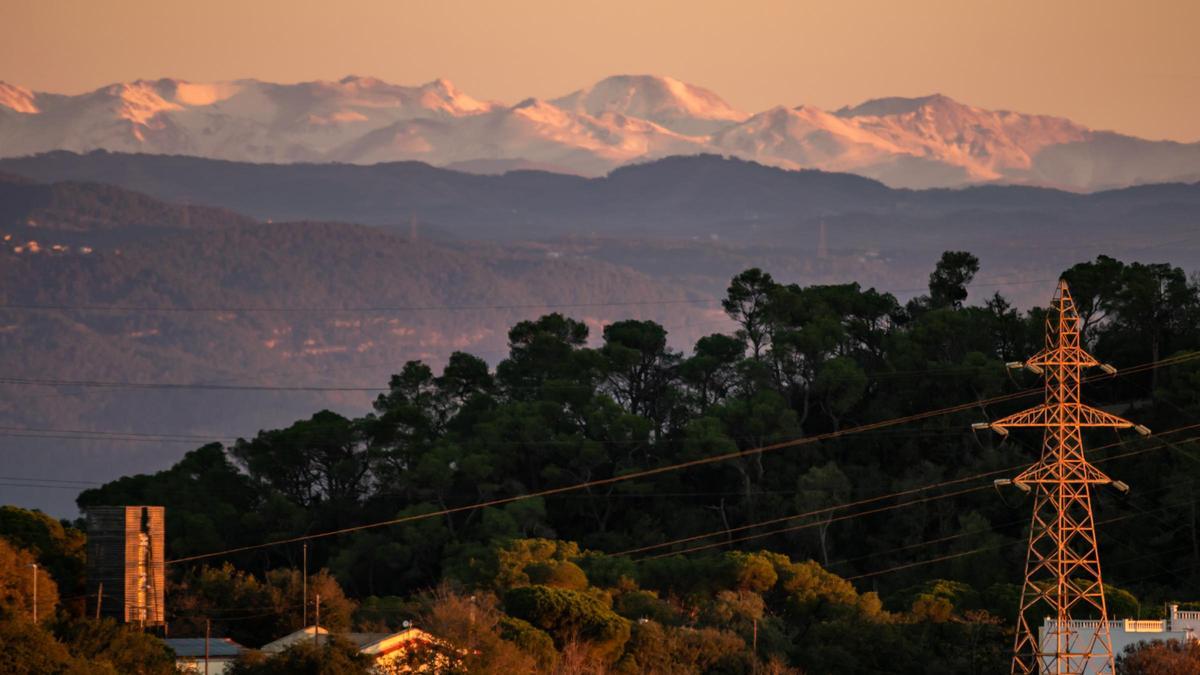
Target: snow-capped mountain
x: 676, y: 105
x: 906, y: 142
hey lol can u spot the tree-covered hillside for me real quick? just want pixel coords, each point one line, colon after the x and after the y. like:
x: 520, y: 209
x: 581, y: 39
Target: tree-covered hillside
x: 891, y: 536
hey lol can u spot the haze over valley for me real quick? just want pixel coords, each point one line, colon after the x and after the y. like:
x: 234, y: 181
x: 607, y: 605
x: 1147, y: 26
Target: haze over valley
x: 250, y: 281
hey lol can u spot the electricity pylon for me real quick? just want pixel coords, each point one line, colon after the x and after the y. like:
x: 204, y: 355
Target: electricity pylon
x: 1062, y: 565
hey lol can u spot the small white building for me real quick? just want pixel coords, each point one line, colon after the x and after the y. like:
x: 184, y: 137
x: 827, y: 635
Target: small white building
x: 1181, y: 626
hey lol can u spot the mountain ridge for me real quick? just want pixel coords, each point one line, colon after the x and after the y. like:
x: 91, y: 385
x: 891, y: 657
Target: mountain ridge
x: 919, y: 142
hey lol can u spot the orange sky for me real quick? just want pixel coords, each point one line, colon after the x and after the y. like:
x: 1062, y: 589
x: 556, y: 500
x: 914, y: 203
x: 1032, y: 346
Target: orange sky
x: 1129, y: 66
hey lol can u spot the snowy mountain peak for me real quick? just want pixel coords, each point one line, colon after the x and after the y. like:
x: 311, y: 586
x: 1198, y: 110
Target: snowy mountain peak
x: 17, y: 98
x: 451, y: 99
x: 897, y: 105
x: 666, y: 101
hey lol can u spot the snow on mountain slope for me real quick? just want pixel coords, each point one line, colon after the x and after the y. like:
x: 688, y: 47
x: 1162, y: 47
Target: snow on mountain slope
x: 930, y: 141
x: 988, y: 144
x: 245, y: 120
x: 804, y: 137
x: 676, y: 105
x: 533, y: 130
x: 17, y: 99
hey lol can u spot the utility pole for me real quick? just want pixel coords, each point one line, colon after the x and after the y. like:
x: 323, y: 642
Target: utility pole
x: 99, y: 599
x: 1062, y: 563
x: 35, y: 569
x: 317, y: 623
x: 754, y: 648
x: 207, y: 635
x: 304, y: 586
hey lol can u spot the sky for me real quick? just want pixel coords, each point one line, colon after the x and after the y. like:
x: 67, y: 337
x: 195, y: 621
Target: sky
x: 1129, y: 66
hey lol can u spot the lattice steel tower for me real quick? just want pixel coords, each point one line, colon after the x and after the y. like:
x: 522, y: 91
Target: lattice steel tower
x: 1062, y: 565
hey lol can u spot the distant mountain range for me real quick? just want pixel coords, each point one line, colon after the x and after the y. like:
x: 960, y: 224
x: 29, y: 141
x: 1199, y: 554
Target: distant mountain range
x: 705, y: 197
x: 931, y: 141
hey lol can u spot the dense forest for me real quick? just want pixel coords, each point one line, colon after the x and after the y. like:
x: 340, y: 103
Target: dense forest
x: 868, y: 547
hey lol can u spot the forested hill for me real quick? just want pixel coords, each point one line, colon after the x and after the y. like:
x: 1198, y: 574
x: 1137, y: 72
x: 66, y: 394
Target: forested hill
x: 97, y: 207
x: 698, y: 196
x: 880, y: 550
x: 195, y: 295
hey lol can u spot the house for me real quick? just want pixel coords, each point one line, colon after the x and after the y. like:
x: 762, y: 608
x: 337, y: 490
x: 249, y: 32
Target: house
x: 189, y: 654
x: 1182, y: 626
x: 388, y: 649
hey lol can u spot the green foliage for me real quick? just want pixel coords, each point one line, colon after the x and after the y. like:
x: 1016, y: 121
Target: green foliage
x: 750, y: 571
x: 639, y: 604
x: 1121, y: 603
x: 129, y: 650
x: 564, y: 574
x: 533, y: 641
x: 569, y: 615
x: 1160, y: 658
x: 806, y: 360
x: 319, y: 460
x: 383, y: 614
x: 29, y: 649
x: 654, y: 648
x: 949, y: 280
x: 939, y: 599
x: 16, y: 584
x: 57, y: 547
x: 521, y: 560
x: 225, y: 595
x: 210, y: 504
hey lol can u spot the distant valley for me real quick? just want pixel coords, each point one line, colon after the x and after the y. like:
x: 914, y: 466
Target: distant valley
x: 119, y: 270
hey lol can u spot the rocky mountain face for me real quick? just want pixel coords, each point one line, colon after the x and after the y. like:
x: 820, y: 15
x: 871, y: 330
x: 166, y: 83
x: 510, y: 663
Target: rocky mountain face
x: 930, y: 141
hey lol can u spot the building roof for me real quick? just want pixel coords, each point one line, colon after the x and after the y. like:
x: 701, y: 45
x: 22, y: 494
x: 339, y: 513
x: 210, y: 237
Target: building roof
x: 367, y: 643
x: 276, y: 646
x: 194, y: 647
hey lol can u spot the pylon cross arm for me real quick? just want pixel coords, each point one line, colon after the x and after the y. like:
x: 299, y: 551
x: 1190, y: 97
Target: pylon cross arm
x: 1049, y: 473
x: 1061, y: 414
x: 1062, y: 356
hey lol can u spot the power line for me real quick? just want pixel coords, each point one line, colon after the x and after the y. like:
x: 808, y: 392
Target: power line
x: 86, y: 434
x: 837, y: 507
x: 1012, y: 523
x: 432, y: 308
x: 1010, y: 544
x: 338, y: 310
x: 123, y: 384
x: 49, y: 480
x: 805, y: 526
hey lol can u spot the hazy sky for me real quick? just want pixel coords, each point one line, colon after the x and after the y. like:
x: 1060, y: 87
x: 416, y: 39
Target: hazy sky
x: 1129, y: 66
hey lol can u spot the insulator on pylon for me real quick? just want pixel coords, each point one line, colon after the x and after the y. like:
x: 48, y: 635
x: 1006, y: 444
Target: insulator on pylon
x: 980, y: 426
x: 1015, y: 364
x: 1036, y: 370
x: 1005, y: 482
x: 1108, y: 368
x: 1142, y: 429
x: 1121, y: 486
